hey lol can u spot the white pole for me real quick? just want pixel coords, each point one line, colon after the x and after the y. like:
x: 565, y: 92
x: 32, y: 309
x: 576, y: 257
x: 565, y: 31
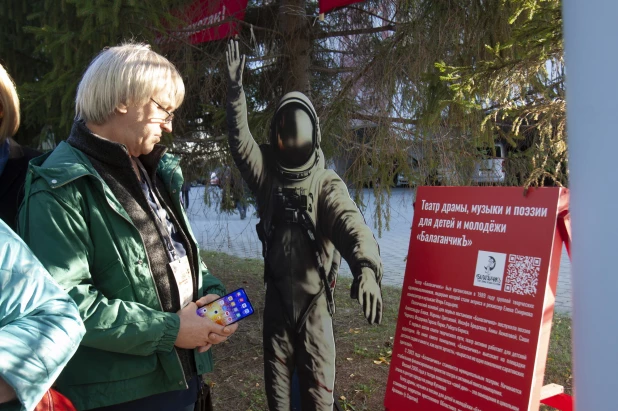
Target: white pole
x: 591, y: 40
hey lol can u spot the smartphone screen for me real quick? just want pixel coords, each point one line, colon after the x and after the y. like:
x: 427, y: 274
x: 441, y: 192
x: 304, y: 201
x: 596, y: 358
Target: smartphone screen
x: 228, y: 309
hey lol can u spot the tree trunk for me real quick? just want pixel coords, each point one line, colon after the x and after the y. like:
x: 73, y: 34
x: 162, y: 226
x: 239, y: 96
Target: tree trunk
x: 296, y: 46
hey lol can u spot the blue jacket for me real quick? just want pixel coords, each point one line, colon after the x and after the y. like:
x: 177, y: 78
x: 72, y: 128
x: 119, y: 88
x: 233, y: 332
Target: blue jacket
x: 40, y: 327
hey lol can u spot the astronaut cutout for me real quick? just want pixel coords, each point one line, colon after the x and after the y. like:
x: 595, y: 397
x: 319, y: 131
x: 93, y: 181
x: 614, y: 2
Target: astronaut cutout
x: 306, y: 219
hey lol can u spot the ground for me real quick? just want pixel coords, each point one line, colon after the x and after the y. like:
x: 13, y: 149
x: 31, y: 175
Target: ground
x: 363, y: 350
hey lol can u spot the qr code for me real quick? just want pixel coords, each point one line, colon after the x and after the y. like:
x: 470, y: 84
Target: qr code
x: 522, y: 275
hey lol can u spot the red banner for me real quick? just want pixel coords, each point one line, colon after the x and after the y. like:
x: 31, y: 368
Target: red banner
x: 477, y: 299
x: 328, y: 5
x: 211, y: 20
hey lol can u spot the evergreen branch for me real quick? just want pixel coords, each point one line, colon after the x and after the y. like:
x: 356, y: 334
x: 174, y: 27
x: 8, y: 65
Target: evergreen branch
x: 327, y: 50
x: 371, y: 14
x: 203, y: 27
x: 354, y: 32
x: 229, y: 19
x: 265, y: 29
x: 263, y: 58
x: 330, y: 70
x: 379, y: 119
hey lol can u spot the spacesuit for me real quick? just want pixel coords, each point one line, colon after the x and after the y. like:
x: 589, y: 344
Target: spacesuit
x: 307, y: 221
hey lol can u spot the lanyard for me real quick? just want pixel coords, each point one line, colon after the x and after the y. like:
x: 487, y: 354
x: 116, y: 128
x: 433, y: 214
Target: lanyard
x: 159, y: 220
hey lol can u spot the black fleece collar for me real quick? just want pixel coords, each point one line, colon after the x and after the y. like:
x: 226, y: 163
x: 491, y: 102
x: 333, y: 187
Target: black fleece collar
x: 109, y: 152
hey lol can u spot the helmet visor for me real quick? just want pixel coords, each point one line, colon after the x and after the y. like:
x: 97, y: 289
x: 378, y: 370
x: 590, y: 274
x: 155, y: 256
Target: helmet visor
x: 293, y: 134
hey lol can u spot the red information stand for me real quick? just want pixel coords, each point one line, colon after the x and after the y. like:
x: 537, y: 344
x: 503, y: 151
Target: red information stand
x: 477, y: 299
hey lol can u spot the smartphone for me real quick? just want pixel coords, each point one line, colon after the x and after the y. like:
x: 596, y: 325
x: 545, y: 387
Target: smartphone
x: 228, y: 309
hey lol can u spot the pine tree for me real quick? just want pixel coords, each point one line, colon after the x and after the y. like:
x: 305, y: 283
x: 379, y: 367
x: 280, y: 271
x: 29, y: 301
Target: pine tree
x: 390, y: 79
x: 49, y: 44
x: 515, y: 91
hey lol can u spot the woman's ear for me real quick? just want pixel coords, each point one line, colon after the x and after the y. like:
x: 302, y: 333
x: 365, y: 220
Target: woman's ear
x: 122, y: 108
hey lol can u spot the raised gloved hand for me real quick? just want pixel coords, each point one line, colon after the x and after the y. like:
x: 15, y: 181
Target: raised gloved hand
x: 366, y: 289
x: 235, y: 63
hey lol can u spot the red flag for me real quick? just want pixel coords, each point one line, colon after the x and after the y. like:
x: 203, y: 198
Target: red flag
x: 203, y: 16
x: 328, y: 5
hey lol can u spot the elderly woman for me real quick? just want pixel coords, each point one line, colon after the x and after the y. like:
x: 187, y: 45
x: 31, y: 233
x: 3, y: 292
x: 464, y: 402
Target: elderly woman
x: 13, y: 157
x: 103, y: 214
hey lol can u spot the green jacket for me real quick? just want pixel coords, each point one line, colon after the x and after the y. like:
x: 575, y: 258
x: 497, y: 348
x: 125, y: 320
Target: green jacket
x: 86, y: 240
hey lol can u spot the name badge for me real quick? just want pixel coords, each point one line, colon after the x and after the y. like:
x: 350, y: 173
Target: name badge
x: 184, y: 280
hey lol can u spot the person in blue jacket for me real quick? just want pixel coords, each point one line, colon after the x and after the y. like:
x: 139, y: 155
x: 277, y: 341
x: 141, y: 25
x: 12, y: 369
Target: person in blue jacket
x: 40, y: 327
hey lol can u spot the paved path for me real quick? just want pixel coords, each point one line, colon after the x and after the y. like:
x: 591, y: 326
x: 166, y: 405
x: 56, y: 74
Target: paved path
x: 228, y: 233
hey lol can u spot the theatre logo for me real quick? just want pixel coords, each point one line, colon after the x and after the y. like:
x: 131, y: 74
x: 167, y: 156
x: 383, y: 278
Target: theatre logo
x: 489, y: 270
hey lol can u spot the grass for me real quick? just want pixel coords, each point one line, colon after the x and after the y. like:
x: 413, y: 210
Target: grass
x: 558, y: 369
x: 363, y: 350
